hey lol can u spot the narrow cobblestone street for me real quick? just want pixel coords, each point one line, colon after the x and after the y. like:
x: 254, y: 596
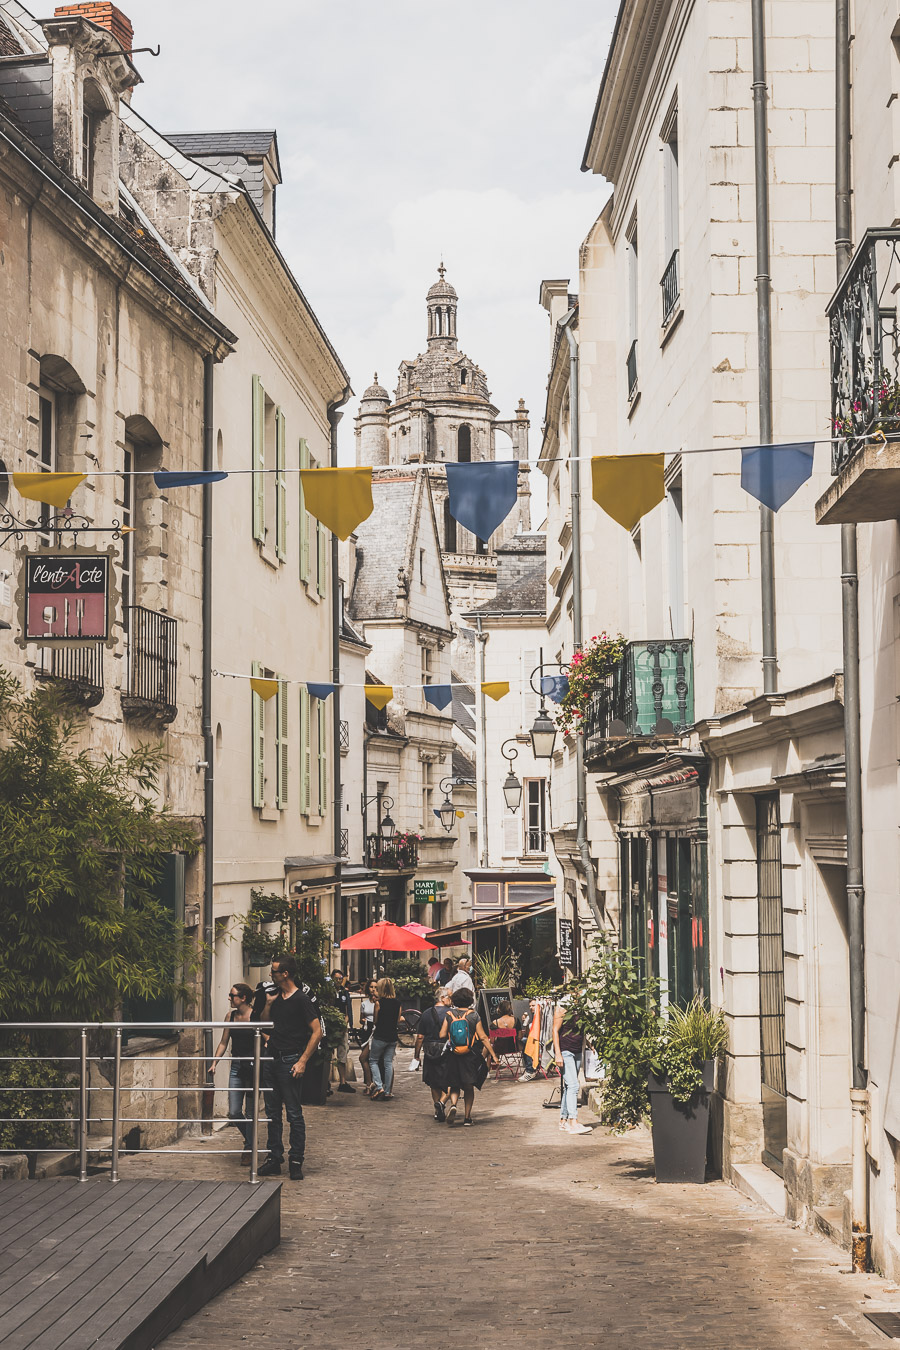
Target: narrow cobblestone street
x: 406, y: 1233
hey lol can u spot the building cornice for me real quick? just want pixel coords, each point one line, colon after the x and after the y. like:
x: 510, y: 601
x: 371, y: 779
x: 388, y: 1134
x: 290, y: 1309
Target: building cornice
x: 796, y: 712
x: 635, y: 40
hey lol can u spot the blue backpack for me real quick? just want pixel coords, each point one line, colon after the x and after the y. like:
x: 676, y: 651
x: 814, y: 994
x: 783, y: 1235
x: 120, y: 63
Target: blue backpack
x: 460, y: 1032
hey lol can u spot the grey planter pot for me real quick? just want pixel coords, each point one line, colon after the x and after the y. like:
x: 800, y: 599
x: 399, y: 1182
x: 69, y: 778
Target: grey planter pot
x: 679, y: 1130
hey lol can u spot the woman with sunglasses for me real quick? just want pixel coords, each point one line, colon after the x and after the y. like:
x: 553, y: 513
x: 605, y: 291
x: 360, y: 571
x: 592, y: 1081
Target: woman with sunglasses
x: 240, y: 1077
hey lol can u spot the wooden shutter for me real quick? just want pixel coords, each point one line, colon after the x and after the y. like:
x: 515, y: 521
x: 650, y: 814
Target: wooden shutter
x: 259, y: 461
x: 530, y: 701
x: 322, y: 747
x: 304, y: 750
x: 321, y: 538
x: 281, y: 744
x: 512, y: 836
x: 304, y: 517
x: 280, y: 489
x: 258, y: 741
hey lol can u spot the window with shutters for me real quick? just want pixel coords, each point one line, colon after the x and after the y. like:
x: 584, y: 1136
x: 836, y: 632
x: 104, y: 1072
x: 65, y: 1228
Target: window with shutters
x: 258, y: 741
x: 269, y: 743
x: 305, y: 518
x: 281, y: 745
x: 535, y: 798
x: 305, y: 751
x: 269, y: 482
x: 529, y: 660
x: 313, y: 539
x: 322, y: 753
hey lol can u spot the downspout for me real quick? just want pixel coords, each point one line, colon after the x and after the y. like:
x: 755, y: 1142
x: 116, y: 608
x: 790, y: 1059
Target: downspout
x: 334, y: 417
x: 764, y: 340
x: 209, y: 930
x: 859, y: 1201
x: 581, y: 838
x: 481, y: 746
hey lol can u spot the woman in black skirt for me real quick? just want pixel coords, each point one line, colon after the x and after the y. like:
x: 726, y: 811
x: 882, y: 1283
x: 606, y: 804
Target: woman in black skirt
x: 466, y: 1069
x: 430, y: 1049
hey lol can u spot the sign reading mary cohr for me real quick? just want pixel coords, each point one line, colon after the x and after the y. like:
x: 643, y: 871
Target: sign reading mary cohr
x: 427, y: 892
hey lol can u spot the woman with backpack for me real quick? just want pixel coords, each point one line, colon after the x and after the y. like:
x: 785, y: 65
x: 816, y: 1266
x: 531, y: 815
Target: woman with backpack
x: 466, y: 1069
x: 430, y: 1048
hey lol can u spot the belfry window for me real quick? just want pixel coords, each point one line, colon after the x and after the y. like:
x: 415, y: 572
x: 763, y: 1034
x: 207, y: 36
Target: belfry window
x: 464, y: 445
x: 463, y: 376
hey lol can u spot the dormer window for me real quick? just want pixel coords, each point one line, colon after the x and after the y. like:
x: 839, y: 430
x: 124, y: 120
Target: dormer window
x: 463, y: 376
x: 87, y: 151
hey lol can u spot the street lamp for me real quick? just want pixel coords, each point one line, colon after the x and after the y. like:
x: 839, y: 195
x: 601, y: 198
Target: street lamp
x: 543, y: 735
x: 446, y: 812
x: 386, y: 826
x: 512, y: 788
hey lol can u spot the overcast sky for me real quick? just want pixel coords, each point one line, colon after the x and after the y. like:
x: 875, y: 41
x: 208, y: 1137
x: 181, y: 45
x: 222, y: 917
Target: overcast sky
x: 406, y: 131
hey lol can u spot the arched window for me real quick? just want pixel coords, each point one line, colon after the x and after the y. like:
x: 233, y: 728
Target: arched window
x: 464, y: 445
x: 463, y: 376
x: 143, y: 451
x: 449, y: 529
x: 58, y: 413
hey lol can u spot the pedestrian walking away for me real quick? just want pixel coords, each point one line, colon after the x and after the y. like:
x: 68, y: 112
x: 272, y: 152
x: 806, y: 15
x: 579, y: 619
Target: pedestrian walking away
x: 342, y: 1049
x: 240, y: 1075
x: 466, y: 1067
x: 366, y: 1027
x: 462, y: 979
x: 568, y: 1048
x: 383, y: 1044
x: 431, y: 1049
x: 296, y: 1032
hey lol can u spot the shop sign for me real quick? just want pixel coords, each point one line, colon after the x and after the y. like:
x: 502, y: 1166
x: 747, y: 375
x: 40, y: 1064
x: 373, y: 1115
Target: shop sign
x: 428, y: 892
x: 566, y: 944
x: 66, y: 597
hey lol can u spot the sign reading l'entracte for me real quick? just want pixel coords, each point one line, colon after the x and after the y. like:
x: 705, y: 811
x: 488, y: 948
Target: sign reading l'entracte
x: 425, y: 892
x: 65, y: 597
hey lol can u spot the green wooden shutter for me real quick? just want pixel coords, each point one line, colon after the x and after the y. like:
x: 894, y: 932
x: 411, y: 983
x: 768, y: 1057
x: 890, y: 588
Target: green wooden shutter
x: 304, y: 750
x: 258, y: 741
x: 321, y: 537
x: 322, y: 747
x: 304, y: 517
x: 281, y: 744
x: 259, y: 461
x: 280, y: 488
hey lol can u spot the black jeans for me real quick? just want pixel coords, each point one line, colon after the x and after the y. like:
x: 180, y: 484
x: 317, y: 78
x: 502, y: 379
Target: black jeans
x: 282, y: 1089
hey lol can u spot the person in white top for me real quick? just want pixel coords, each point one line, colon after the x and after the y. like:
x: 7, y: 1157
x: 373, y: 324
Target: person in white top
x: 462, y: 979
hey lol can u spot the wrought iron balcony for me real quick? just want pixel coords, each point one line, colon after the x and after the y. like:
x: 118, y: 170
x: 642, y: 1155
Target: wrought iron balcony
x: 152, y: 651
x: 392, y: 855
x: 345, y: 738
x: 79, y: 669
x: 670, y: 287
x: 631, y: 367
x: 649, y: 695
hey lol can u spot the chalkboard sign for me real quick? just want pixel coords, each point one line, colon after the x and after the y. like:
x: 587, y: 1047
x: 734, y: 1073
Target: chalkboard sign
x: 566, y: 936
x: 489, y: 1001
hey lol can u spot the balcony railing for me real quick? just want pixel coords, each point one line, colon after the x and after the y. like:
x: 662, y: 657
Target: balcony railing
x: 345, y: 843
x: 650, y: 693
x: 152, y: 665
x: 865, y: 346
x: 80, y: 669
x: 670, y: 287
x: 631, y: 367
x: 392, y: 855
x: 535, y: 841
x: 345, y: 738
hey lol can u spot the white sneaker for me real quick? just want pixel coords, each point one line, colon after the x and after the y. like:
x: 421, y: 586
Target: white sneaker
x: 526, y: 1077
x: 564, y: 1124
x: 575, y: 1127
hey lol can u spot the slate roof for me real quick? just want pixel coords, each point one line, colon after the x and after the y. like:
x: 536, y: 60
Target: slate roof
x: 384, y: 545
x: 524, y: 543
x: 462, y: 766
x: 238, y: 154
x: 526, y: 596
x: 462, y: 707
x: 9, y: 46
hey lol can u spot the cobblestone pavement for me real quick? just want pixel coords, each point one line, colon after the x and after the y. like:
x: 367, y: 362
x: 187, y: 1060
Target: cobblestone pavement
x: 407, y: 1233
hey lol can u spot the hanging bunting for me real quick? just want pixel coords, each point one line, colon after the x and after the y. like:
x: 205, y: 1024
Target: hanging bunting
x: 438, y: 695
x: 461, y: 815
x: 166, y: 478
x: 481, y: 496
x: 53, y: 489
x: 339, y: 498
x: 320, y: 691
x: 496, y: 689
x: 773, y: 473
x: 555, y: 687
x: 628, y: 486
x: 265, y: 688
x: 379, y: 695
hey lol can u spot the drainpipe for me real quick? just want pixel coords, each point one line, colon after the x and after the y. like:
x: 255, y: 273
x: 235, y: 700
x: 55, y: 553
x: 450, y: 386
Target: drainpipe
x: 577, y: 624
x: 481, y: 748
x: 209, y: 930
x: 334, y: 417
x: 859, y: 1205
x: 764, y: 340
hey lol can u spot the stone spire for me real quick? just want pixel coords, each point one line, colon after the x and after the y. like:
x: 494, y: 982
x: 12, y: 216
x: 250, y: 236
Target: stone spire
x: 441, y: 301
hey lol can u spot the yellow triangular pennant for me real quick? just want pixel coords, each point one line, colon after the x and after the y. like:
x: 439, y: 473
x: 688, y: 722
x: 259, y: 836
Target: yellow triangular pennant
x: 495, y: 688
x: 53, y: 489
x: 339, y: 498
x: 265, y: 688
x: 628, y: 486
x: 379, y: 695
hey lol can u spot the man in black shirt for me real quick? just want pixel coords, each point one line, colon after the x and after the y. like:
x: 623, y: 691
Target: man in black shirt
x: 295, y: 1035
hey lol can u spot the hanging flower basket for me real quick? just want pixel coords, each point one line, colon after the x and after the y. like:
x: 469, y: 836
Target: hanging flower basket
x: 588, y: 669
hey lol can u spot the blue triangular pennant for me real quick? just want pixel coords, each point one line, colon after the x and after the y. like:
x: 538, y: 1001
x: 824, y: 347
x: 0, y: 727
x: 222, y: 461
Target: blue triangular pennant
x: 555, y: 687
x: 438, y: 695
x: 320, y: 690
x: 165, y: 478
x: 773, y: 473
x: 481, y: 496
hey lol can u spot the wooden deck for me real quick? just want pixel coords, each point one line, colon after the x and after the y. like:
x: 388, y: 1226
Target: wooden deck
x: 118, y: 1267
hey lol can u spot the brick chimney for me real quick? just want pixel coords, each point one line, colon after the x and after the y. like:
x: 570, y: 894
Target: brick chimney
x: 105, y: 15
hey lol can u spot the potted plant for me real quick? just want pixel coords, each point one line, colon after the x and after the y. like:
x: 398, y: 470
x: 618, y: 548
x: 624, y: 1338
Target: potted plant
x: 682, y: 1075
x: 587, y: 670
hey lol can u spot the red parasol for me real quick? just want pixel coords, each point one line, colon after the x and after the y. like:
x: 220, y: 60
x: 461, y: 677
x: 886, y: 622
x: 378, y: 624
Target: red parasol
x: 386, y: 937
x: 420, y: 931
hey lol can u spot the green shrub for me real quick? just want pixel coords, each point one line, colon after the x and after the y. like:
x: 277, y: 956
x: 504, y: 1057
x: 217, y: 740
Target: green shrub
x: 26, y: 1071
x: 689, y: 1038
x: 410, y: 977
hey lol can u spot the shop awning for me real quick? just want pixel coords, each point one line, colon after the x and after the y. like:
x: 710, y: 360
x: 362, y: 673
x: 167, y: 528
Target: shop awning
x: 503, y: 918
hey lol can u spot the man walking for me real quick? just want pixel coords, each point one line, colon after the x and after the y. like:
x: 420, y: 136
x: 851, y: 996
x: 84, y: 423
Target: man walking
x: 342, y: 1050
x: 462, y: 979
x: 296, y: 1033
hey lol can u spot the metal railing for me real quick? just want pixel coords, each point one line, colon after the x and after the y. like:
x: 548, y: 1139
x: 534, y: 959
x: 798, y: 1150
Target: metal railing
x: 670, y: 287
x: 345, y: 738
x: 535, y: 841
x: 864, y: 330
x: 80, y: 669
x: 392, y: 855
x: 631, y: 368
x: 152, y: 664
x: 345, y: 843
x: 80, y: 1032
x: 650, y: 692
